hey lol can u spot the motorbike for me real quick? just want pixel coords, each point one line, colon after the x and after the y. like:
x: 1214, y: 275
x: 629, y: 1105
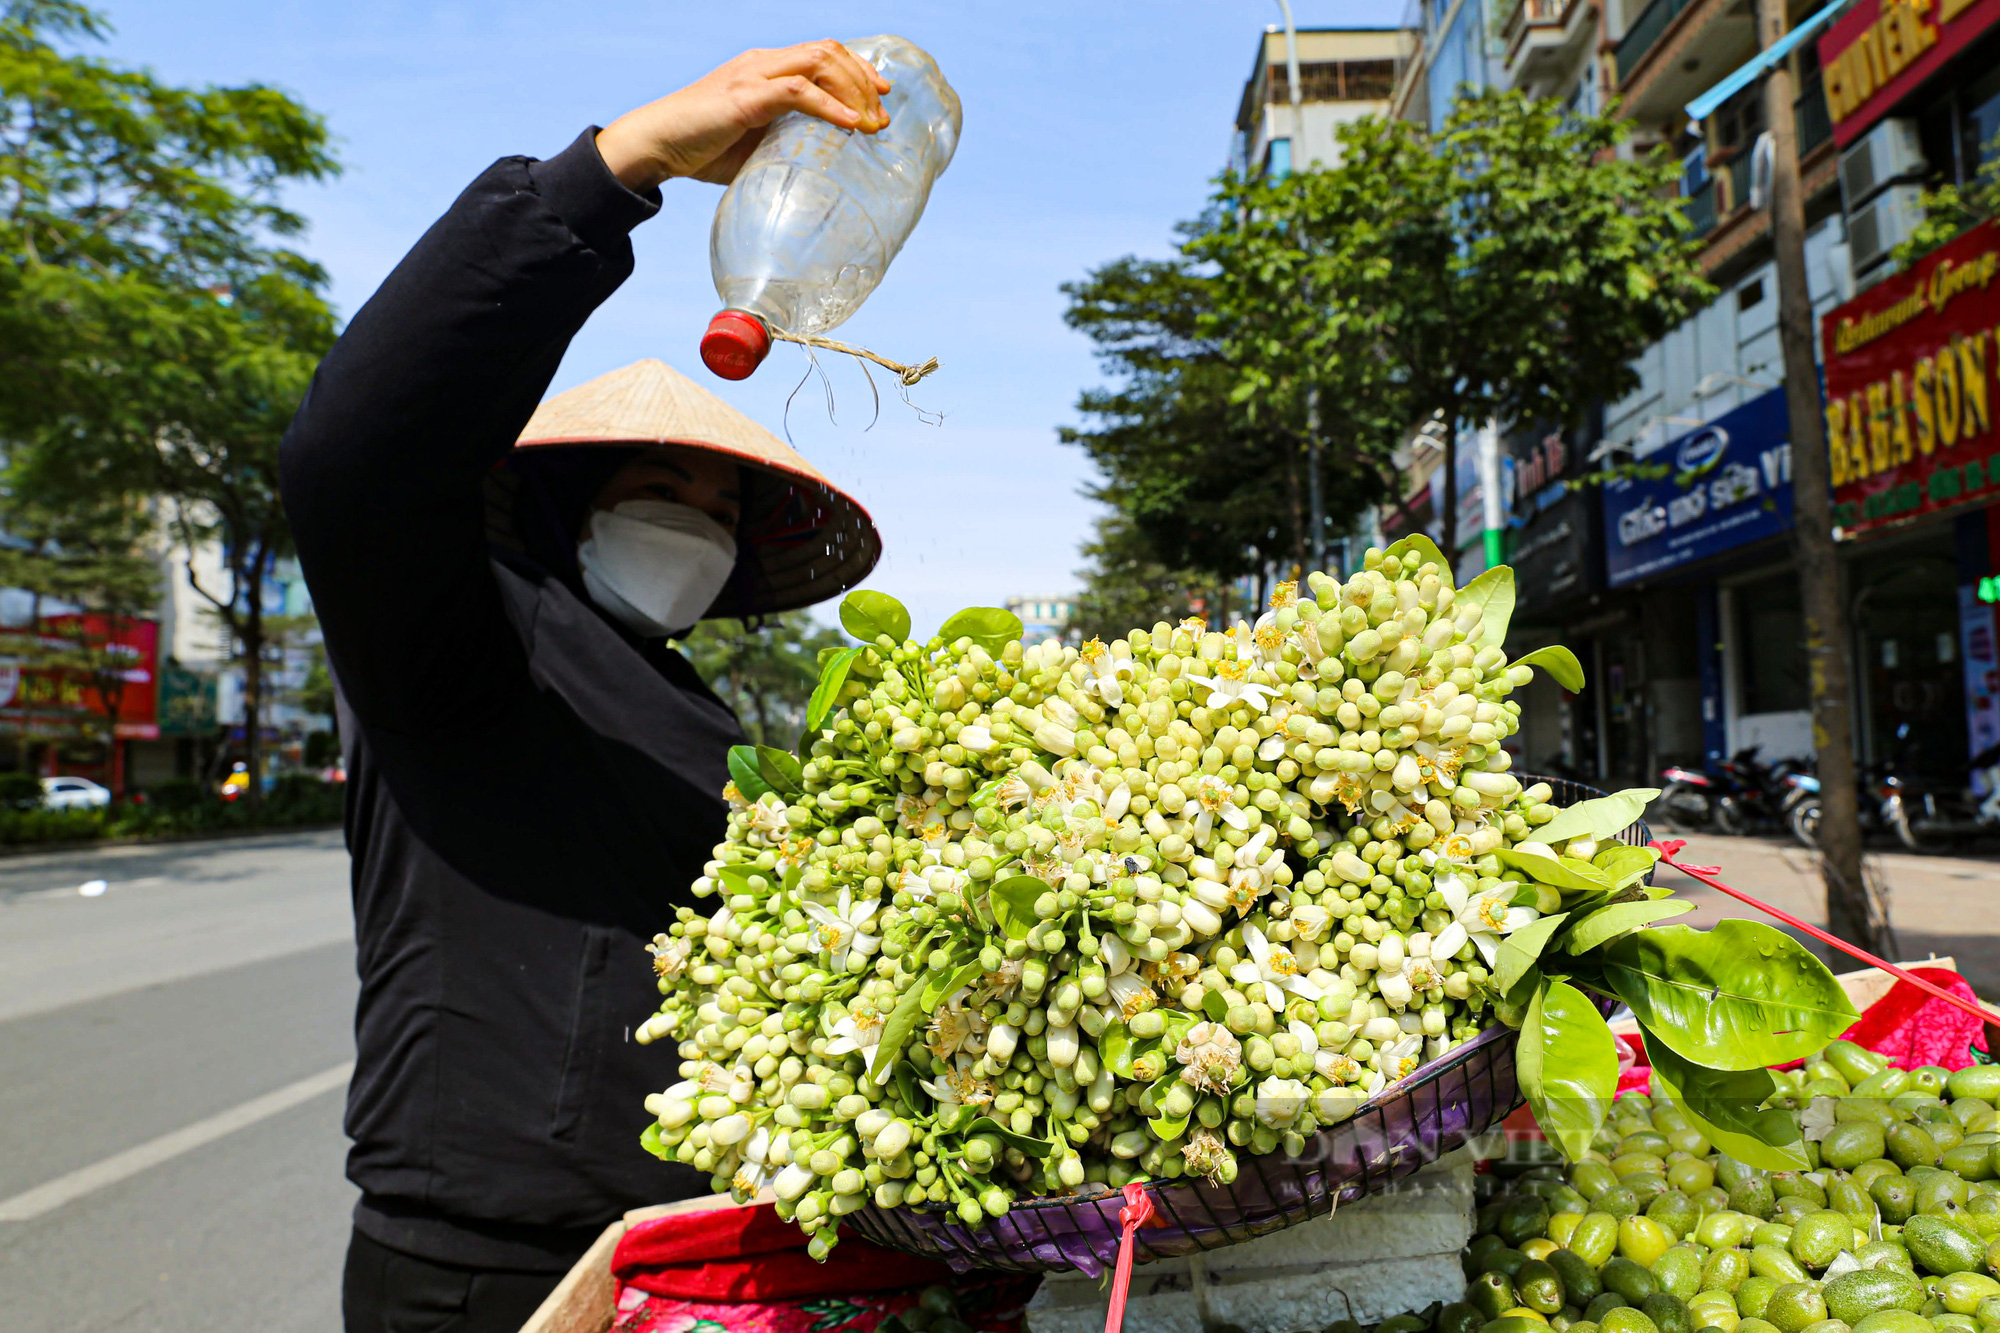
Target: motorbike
x: 1739, y: 795
x: 1918, y: 814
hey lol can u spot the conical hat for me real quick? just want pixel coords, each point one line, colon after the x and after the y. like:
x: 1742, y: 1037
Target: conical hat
x: 809, y: 539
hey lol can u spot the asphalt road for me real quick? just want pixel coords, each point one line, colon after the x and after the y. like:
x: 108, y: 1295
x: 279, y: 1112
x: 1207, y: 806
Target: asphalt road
x: 171, y: 1057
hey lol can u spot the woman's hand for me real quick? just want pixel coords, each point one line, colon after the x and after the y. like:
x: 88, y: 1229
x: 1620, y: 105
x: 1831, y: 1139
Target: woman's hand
x: 707, y: 129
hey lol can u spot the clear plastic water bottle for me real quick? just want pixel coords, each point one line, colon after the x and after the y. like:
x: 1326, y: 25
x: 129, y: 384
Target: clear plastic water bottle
x: 809, y: 225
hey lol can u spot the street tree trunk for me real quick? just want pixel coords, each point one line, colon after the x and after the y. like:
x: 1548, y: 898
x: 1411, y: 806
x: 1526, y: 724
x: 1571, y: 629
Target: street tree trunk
x: 1820, y: 583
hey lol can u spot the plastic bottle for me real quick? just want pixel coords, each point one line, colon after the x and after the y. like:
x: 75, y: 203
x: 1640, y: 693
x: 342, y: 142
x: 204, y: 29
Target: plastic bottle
x: 809, y: 225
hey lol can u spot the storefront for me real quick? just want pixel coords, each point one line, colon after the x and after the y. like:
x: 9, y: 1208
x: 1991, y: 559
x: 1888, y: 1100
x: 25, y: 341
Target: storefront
x: 1912, y: 386
x: 1554, y: 546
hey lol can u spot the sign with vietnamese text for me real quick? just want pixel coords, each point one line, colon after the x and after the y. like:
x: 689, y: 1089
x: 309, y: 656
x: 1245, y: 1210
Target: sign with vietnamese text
x: 95, y: 668
x: 1715, y: 488
x: 1877, y: 53
x: 1910, y: 392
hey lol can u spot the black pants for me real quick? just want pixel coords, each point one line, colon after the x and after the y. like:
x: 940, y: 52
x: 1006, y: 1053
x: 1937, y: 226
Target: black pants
x: 387, y: 1291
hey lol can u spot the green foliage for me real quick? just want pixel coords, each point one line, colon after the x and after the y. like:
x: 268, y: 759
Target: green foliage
x: 1124, y: 585
x: 178, y: 806
x: 1950, y: 210
x: 767, y: 673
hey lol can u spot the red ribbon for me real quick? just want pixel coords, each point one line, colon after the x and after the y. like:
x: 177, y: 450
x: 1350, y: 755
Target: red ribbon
x: 1706, y: 874
x: 1138, y: 1211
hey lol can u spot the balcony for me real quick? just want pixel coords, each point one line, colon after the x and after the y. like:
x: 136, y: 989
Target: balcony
x: 1543, y: 40
x: 1646, y: 30
x: 1677, y: 49
x: 1809, y: 114
x: 1704, y: 206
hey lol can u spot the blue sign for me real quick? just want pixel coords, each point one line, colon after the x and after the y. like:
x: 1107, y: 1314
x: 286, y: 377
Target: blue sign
x: 1726, y: 483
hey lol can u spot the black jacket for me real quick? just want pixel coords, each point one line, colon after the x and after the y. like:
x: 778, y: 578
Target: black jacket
x: 530, y: 790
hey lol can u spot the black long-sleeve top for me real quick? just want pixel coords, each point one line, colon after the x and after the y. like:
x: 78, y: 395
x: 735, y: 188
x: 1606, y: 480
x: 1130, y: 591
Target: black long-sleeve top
x: 530, y: 790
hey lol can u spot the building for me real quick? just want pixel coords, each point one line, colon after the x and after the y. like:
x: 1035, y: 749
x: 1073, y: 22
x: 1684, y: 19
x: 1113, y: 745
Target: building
x: 1344, y: 74
x: 1043, y: 617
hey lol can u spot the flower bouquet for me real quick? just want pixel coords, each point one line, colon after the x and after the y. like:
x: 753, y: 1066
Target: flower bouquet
x: 1032, y: 921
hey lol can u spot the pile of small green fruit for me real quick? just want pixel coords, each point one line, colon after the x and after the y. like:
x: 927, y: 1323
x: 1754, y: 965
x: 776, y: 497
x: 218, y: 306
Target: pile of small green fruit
x: 1894, y: 1228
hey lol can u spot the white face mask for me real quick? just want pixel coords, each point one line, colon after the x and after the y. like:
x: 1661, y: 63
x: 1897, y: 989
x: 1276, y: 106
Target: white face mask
x: 654, y: 566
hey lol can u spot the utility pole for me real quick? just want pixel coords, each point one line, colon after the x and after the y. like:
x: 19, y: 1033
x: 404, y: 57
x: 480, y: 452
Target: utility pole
x: 1821, y: 592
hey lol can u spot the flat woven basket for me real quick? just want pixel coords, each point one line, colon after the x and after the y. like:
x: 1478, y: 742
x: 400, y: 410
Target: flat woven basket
x: 1436, y: 1110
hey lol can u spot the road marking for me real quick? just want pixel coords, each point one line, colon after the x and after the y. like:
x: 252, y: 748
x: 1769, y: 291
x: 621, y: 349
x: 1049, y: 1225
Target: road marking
x: 46, y: 1198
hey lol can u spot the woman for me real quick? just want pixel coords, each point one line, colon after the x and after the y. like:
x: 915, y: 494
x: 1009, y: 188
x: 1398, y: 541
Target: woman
x: 533, y: 775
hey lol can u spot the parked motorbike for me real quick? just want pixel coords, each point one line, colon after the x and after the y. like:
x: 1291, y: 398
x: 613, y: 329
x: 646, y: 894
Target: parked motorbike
x: 1917, y: 813
x: 1738, y: 795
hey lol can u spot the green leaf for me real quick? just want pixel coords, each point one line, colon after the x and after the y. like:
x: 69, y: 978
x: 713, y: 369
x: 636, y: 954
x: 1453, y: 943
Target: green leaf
x: 903, y: 1020
x: 1624, y: 865
x: 1742, y: 995
x: 781, y: 770
x: 1169, y: 1129
x: 988, y: 626
x: 1013, y: 901
x: 743, y: 772
x: 946, y: 984
x: 988, y: 1125
x: 826, y: 695
x: 1726, y: 1106
x: 1608, y: 923
x: 1116, y: 1047
x: 906, y: 1083
x: 1605, y: 817
x: 1567, y: 1062
x: 1558, y: 872
x: 1559, y: 662
x: 1519, y: 951
x: 952, y: 1119
x: 1426, y: 549
x: 649, y: 1139
x: 867, y: 614
x: 1214, y: 1006
x: 1494, y: 591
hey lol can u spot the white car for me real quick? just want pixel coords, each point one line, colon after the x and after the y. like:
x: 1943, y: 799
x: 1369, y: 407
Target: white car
x: 73, y: 794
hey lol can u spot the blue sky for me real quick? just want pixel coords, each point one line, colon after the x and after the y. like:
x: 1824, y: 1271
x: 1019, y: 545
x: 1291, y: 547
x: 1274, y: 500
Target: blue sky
x: 1089, y: 131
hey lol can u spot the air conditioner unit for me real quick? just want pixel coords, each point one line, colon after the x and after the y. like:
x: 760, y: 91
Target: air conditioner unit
x: 1882, y: 224
x: 1886, y: 155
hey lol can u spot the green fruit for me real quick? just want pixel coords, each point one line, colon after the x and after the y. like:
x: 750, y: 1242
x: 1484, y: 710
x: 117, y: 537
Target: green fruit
x: 1620, y: 1202
x: 1945, y: 1132
x: 1690, y: 1174
x: 1627, y: 1164
x: 1910, y: 1146
x: 1667, y: 1312
x: 1963, y: 1292
x: 1853, y: 1063
x: 1579, y: 1279
x: 1877, y: 1253
x: 1582, y: 1326
x: 1723, y: 1229
x: 1753, y: 1196
x: 1729, y: 1173
x: 1403, y: 1323
x: 1458, y: 1317
x: 1775, y: 1263
x: 1871, y: 1110
x: 1973, y: 1115
x: 1818, y: 1238
x: 1852, y: 1296
x: 1893, y: 1321
x: 1796, y: 1185
x: 1982, y: 1216
x: 1756, y: 1325
x: 1754, y: 1294
x: 1342, y: 1326
x: 1794, y: 1306
x: 1775, y: 1234
x: 1873, y: 1170
x: 1602, y: 1304
x: 1846, y: 1198
x: 1490, y: 1293
x: 1642, y: 1240
x: 1593, y: 1178
x: 1886, y: 1084
x: 1948, y: 1322
x: 1725, y: 1270
x: 1595, y: 1238
x: 1625, y: 1319
x: 1514, y: 1324
x: 1503, y: 1260
x: 1679, y: 1271
x: 1707, y: 1306
x: 1714, y: 1199
x: 1630, y: 1280
x: 1969, y: 1161
x: 1939, y: 1189
x: 1522, y: 1217
x: 1827, y: 1326
x: 1981, y: 1081
x: 1847, y: 1146
x: 1647, y: 1187
x: 1538, y: 1287
x: 1988, y: 1313
x: 1896, y: 1196
x: 1676, y: 1210
x: 1943, y: 1246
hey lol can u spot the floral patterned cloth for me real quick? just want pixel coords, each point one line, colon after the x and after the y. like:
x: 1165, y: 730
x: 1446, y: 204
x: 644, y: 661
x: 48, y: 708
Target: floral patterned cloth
x: 989, y: 1304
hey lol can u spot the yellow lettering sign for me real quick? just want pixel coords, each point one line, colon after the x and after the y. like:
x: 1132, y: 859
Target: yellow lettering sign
x: 1922, y: 383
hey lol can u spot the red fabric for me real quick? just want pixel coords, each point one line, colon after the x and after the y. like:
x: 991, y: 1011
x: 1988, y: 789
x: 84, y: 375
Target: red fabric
x: 750, y: 1254
x: 988, y: 1302
x: 1909, y: 1028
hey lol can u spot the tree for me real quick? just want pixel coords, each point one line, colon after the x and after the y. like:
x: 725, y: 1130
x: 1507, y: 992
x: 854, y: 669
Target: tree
x: 155, y: 335
x: 1510, y: 266
x: 1951, y: 209
x: 766, y: 672
x: 91, y: 572
x: 1125, y: 588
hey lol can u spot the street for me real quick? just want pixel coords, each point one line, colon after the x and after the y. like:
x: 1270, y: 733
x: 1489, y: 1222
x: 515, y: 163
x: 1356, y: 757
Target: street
x: 195, y: 1018
x: 172, y: 1054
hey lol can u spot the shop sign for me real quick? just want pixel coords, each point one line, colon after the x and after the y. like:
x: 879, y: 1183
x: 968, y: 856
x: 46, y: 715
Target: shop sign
x: 1879, y: 51
x: 1715, y: 488
x: 1910, y: 390
x: 1550, y: 540
x: 187, y: 702
x: 48, y: 700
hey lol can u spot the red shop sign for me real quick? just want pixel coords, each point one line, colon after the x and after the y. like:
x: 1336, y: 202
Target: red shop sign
x: 1910, y: 388
x: 1879, y: 51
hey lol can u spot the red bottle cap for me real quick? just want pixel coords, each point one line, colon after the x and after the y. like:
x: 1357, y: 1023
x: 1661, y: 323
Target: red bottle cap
x: 736, y: 344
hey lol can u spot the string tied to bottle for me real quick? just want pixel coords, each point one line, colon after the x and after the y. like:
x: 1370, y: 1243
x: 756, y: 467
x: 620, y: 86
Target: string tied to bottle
x: 908, y: 375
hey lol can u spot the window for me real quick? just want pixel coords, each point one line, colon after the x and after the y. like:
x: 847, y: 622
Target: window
x: 1750, y: 295
x: 1368, y: 80
x: 1278, y: 159
x: 1770, y: 641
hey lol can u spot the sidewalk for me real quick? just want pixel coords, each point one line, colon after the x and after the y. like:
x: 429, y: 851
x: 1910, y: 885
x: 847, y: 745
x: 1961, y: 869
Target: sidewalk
x: 1938, y: 904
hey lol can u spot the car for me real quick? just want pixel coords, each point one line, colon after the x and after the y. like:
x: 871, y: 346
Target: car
x: 74, y: 794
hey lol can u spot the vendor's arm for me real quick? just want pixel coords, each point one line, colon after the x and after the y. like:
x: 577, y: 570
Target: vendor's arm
x: 429, y: 386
